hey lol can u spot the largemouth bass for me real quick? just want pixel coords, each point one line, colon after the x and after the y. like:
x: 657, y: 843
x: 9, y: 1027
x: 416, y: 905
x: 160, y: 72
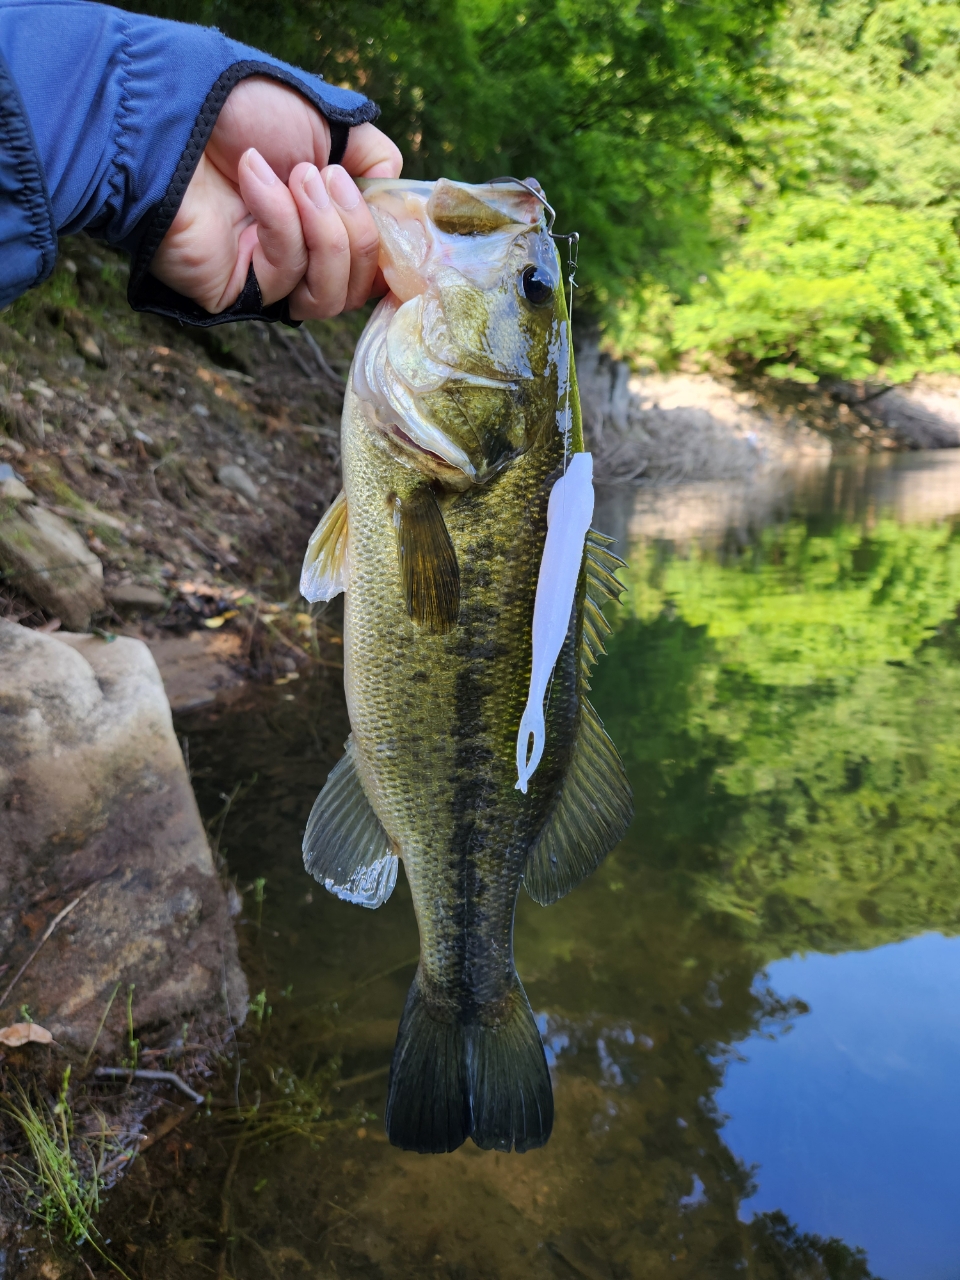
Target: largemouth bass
x: 456, y: 428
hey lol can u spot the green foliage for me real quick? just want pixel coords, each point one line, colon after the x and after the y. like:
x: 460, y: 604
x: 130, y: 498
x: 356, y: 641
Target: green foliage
x: 788, y: 719
x: 839, y: 249
x: 62, y: 1182
x: 625, y: 113
x: 784, y: 1253
x: 828, y: 286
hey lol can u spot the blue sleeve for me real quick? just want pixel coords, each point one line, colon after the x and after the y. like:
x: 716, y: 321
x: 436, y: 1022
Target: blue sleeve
x: 103, y: 117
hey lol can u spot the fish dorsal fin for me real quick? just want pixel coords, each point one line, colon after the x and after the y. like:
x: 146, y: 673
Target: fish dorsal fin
x: 345, y: 846
x: 592, y: 810
x: 601, y: 585
x: 428, y: 563
x: 325, y: 570
x: 594, y: 805
x: 458, y: 210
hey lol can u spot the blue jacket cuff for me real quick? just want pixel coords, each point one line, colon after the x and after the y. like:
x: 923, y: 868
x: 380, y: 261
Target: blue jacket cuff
x: 120, y: 107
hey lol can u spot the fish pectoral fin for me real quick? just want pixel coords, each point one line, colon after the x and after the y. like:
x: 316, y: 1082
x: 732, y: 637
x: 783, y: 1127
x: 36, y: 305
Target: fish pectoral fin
x: 591, y: 812
x: 325, y: 572
x: 428, y: 563
x: 345, y: 846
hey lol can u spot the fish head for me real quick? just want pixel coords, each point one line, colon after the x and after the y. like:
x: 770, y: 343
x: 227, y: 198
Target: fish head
x: 466, y: 359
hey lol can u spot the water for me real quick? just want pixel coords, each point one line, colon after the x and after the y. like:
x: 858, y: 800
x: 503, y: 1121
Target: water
x: 752, y: 1009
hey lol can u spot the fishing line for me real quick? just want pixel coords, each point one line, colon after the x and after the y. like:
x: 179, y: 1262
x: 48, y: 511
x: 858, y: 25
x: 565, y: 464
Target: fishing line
x: 573, y: 249
x: 553, y: 585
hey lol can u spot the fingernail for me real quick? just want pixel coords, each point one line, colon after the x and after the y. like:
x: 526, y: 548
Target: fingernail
x: 260, y: 169
x: 313, y: 186
x: 342, y: 187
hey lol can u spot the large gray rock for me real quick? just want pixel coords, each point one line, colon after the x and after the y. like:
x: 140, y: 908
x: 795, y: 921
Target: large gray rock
x: 925, y: 412
x: 95, y: 801
x: 47, y: 560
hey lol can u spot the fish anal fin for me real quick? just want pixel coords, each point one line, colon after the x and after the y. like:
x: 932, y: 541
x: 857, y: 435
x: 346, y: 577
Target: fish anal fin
x: 590, y: 813
x: 345, y: 846
x: 428, y: 563
x: 325, y: 571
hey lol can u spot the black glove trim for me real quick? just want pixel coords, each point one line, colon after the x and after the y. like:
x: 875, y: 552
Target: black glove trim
x: 145, y: 292
x: 159, y: 298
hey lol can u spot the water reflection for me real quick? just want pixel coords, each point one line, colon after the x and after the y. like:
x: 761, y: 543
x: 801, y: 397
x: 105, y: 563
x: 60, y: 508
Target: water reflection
x: 854, y: 1118
x: 785, y: 690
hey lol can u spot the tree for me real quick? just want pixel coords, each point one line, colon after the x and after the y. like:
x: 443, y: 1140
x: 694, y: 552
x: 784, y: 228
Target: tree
x: 625, y: 112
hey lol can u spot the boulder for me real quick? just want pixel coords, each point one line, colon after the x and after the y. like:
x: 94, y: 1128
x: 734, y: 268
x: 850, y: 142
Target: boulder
x: 681, y: 426
x: 47, y: 560
x: 96, y: 809
x: 925, y: 413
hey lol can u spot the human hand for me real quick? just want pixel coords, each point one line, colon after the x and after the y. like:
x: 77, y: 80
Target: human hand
x: 263, y: 193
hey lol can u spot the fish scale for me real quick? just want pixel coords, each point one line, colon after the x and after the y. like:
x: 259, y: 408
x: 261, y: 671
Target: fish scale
x: 437, y: 541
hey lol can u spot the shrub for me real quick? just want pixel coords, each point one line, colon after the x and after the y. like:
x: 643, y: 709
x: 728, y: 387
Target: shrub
x: 829, y: 287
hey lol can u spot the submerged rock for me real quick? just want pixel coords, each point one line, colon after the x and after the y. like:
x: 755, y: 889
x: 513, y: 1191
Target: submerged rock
x: 96, y: 808
x: 47, y: 560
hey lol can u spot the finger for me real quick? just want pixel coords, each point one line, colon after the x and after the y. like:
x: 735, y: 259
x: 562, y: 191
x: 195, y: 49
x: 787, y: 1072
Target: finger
x: 275, y: 119
x: 199, y: 254
x: 371, y: 154
x: 361, y: 232
x: 323, y: 290
x: 279, y: 255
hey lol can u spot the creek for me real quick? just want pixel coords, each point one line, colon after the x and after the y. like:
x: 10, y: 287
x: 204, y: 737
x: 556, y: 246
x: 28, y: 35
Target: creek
x: 752, y: 1010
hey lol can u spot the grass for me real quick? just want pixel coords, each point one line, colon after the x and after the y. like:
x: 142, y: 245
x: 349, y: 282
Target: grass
x: 62, y: 1189
x: 61, y: 1194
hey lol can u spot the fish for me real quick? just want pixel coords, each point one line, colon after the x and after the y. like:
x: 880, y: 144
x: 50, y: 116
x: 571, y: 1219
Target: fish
x: 460, y: 417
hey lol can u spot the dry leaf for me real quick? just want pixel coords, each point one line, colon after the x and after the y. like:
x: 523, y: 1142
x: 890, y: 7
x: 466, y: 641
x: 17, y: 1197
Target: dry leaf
x: 24, y: 1033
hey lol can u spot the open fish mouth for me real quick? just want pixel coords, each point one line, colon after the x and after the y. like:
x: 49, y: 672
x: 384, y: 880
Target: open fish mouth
x: 406, y: 442
x: 393, y: 369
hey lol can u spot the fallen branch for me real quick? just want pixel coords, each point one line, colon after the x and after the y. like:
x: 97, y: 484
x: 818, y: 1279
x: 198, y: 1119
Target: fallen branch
x: 147, y: 1140
x: 168, y: 1077
x: 291, y: 348
x: 321, y: 360
x: 361, y: 1079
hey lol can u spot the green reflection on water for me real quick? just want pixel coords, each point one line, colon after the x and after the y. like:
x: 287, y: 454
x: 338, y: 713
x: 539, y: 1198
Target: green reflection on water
x: 787, y: 712
x: 789, y: 717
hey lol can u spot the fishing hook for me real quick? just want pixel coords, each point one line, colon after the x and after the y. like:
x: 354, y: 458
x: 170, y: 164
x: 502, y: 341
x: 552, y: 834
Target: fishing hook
x: 573, y: 249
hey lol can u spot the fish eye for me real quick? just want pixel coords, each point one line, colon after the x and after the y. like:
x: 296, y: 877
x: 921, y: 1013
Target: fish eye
x: 537, y: 286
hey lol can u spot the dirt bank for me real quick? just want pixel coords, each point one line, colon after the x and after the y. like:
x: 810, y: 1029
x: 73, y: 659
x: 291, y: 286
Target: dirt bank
x: 192, y: 464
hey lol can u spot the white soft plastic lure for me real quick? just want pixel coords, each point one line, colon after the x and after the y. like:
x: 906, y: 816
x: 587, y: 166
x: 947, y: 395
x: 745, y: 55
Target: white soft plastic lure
x: 569, y: 513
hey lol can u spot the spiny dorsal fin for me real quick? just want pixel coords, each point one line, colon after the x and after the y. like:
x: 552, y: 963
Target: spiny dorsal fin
x: 345, y: 846
x: 428, y: 563
x: 600, y: 567
x: 324, y: 574
x: 592, y: 810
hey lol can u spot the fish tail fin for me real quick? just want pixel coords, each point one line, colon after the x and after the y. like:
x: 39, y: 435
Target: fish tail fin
x: 510, y: 1091
x: 428, y: 1098
x: 450, y: 1080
